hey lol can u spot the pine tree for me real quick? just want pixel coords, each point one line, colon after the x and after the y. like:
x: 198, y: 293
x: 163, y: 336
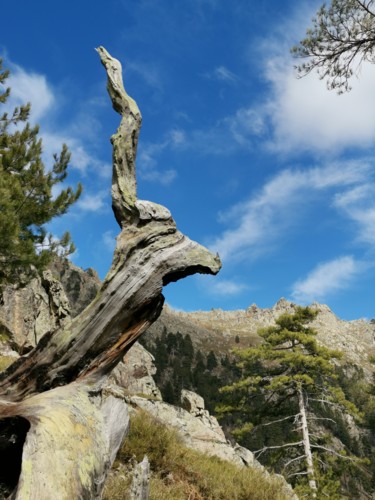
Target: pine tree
x: 211, y: 361
x: 340, y: 39
x: 292, y: 376
x: 26, y: 199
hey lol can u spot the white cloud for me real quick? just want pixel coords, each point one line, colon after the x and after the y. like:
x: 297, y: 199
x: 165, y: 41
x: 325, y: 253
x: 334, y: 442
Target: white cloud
x: 302, y: 113
x: 33, y: 88
x: 299, y: 114
x: 358, y: 204
x: 269, y: 213
x: 327, y: 278
x: 149, y: 72
x: 244, y: 124
x: 81, y: 160
x: 227, y: 287
x: 221, y: 287
x: 164, y: 177
x: 92, y: 202
x: 149, y: 153
x: 305, y: 116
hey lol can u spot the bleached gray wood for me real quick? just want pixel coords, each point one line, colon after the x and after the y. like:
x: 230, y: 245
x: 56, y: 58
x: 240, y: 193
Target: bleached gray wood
x: 58, y: 387
x: 140, y: 489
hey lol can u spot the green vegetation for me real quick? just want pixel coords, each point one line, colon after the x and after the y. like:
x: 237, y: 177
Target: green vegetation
x: 180, y: 366
x: 340, y: 39
x: 27, y: 200
x: 288, y: 405
x: 180, y: 473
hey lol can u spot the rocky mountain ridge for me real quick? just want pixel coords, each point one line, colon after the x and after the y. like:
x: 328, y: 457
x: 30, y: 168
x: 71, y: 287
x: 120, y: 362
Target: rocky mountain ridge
x: 217, y: 329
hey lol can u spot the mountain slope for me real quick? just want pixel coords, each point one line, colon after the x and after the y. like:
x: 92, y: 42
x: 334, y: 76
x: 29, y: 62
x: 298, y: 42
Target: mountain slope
x: 217, y: 330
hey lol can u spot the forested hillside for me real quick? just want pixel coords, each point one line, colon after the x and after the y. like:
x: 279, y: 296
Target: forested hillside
x: 344, y: 424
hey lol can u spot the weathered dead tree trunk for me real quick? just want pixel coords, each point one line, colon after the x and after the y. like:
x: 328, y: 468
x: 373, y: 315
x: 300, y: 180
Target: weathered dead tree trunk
x: 140, y: 488
x: 306, y: 444
x: 59, y: 426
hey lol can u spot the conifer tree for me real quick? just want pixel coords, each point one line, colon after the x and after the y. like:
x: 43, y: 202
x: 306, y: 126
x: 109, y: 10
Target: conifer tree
x: 289, y: 370
x: 26, y: 199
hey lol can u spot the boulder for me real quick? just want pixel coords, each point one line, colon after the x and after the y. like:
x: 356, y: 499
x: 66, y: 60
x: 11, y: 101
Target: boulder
x: 134, y: 373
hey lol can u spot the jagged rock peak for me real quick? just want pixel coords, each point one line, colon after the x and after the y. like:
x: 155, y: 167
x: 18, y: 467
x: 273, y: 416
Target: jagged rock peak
x: 282, y: 304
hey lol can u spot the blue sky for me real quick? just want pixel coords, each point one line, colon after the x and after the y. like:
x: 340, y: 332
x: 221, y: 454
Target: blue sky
x: 275, y: 173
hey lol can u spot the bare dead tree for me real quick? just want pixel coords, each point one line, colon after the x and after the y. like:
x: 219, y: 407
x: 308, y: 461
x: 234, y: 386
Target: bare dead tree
x: 60, y: 428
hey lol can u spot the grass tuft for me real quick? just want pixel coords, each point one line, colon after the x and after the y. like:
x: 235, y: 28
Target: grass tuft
x: 181, y: 473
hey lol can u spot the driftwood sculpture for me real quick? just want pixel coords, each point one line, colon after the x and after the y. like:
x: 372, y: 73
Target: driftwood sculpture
x: 59, y: 428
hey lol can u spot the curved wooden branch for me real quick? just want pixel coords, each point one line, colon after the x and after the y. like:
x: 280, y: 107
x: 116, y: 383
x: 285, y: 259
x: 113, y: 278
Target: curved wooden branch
x: 124, y: 141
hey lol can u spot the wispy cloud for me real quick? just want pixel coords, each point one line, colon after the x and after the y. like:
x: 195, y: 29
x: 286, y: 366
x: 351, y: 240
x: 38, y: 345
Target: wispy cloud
x: 358, y: 204
x: 263, y: 218
x: 35, y: 88
x: 223, y: 74
x: 150, y: 73
x: 244, y: 124
x: 327, y: 278
x: 93, y: 202
x: 150, y: 153
x: 30, y: 87
x: 164, y: 177
x: 82, y: 159
x: 227, y: 287
x: 222, y: 287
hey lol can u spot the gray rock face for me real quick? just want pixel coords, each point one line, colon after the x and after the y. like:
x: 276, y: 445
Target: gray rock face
x: 80, y: 286
x: 135, y: 372
x: 30, y: 312
x: 46, y: 303
x: 200, y: 432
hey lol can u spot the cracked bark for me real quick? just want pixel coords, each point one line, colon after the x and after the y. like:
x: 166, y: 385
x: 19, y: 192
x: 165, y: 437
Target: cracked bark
x: 59, y: 387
